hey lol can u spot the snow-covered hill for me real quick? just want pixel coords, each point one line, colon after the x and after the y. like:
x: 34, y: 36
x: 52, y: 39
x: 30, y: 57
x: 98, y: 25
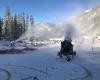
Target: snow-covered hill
x: 89, y: 22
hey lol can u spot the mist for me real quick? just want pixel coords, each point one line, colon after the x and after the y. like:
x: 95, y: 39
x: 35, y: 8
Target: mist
x: 74, y: 26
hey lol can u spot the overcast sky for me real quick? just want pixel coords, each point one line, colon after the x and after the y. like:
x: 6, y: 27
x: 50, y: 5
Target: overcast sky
x: 55, y: 11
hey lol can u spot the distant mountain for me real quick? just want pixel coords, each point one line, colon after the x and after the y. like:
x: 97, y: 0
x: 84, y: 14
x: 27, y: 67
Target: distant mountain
x: 89, y: 22
x: 49, y: 30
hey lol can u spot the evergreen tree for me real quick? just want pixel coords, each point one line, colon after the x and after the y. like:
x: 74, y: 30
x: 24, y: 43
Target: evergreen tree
x: 16, y: 27
x: 31, y: 25
x: 26, y: 22
x: 23, y: 23
x: 20, y: 24
x: 7, y: 25
x: 31, y: 20
x: 1, y: 27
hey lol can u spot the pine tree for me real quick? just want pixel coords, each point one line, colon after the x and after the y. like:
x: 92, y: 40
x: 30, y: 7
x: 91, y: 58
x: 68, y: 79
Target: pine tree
x: 16, y: 27
x: 31, y: 25
x: 26, y: 22
x: 20, y: 24
x: 31, y: 20
x: 23, y: 23
x: 7, y: 25
x: 1, y: 28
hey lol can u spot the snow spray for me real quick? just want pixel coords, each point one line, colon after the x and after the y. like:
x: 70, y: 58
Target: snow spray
x: 69, y: 32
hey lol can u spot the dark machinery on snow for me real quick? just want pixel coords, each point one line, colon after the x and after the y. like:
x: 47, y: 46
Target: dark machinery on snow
x: 66, y: 50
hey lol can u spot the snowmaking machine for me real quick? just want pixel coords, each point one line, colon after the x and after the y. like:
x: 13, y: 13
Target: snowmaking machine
x: 67, y: 50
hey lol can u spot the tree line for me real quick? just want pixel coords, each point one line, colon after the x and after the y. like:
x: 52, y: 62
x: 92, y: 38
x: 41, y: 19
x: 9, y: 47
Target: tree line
x: 12, y: 27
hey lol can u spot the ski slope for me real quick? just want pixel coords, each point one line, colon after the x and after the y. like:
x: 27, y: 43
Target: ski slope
x: 46, y: 65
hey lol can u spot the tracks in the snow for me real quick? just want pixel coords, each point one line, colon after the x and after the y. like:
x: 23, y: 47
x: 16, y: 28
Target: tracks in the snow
x: 88, y: 75
x: 8, y: 74
x: 31, y: 68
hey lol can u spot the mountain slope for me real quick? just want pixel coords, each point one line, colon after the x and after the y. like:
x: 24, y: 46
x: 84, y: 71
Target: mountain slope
x: 89, y: 22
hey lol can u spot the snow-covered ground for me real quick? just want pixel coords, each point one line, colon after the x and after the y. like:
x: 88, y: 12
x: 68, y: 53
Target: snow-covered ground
x: 46, y: 65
